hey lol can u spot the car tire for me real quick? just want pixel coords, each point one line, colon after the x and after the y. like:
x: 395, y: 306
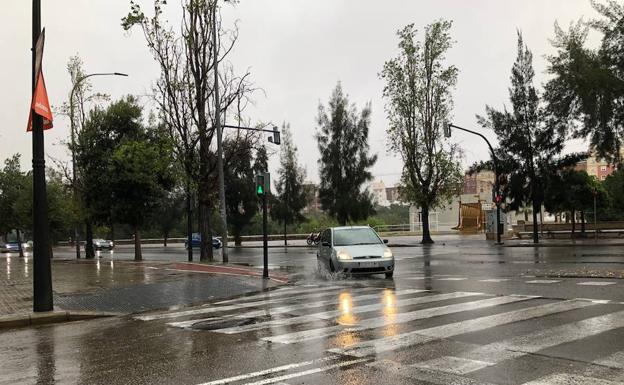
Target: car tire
x: 389, y: 274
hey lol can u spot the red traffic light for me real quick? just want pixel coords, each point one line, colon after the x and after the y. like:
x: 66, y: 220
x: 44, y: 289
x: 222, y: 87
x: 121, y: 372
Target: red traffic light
x: 498, y: 198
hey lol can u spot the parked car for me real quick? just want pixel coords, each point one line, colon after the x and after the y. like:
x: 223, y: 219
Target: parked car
x: 101, y: 244
x: 9, y: 247
x: 196, y: 240
x: 355, y: 250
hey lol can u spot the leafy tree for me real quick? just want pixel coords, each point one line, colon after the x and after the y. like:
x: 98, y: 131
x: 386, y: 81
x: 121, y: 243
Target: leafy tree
x: 342, y: 137
x: 529, y: 143
x: 13, y: 184
x: 125, y: 168
x: 614, y: 187
x: 261, y: 162
x: 291, y: 194
x: 418, y: 94
x: 586, y: 92
x: 168, y: 213
x: 573, y: 191
x: 240, y: 195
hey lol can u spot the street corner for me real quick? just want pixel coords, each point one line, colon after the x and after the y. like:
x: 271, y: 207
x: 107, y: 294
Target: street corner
x: 20, y: 320
x: 236, y: 270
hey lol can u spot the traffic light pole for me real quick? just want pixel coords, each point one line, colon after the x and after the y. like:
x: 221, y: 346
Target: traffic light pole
x: 265, y: 243
x: 496, y: 174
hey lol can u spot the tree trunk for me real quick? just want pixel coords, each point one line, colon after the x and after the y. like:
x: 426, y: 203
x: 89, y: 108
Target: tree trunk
x: 89, y: 251
x: 426, y: 235
x: 112, y: 233
x: 189, y: 221
x: 573, y: 222
x: 526, y: 215
x: 204, y: 229
x: 138, y: 256
x: 238, y: 240
x: 583, y: 223
x: 285, y: 235
x: 19, y: 244
x: 535, y: 234
x: 165, y: 235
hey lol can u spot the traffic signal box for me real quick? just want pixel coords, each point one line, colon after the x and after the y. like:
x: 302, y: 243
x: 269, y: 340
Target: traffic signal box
x: 263, y: 184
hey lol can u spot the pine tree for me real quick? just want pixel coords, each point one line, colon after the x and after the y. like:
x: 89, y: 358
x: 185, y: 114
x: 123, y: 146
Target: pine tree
x: 344, y: 164
x: 529, y: 143
x: 291, y: 196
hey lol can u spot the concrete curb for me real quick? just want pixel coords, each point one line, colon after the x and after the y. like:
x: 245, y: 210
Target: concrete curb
x: 619, y: 244
x: 49, y: 317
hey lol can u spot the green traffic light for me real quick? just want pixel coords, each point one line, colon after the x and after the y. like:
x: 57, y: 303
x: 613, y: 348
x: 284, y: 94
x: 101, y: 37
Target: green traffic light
x: 260, y: 190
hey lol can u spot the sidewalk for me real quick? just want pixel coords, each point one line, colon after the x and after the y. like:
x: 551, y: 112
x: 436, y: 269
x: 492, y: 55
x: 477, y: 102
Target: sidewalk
x: 104, y: 286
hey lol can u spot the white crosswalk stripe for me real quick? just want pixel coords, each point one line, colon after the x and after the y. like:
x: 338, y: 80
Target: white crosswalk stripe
x: 302, y: 314
x: 518, y: 346
x: 237, y: 306
x: 399, y: 318
x: 287, y: 309
x: 403, y: 340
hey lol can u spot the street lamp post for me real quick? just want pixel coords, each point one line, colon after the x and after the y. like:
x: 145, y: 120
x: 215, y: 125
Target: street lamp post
x: 78, y: 81
x: 447, y: 133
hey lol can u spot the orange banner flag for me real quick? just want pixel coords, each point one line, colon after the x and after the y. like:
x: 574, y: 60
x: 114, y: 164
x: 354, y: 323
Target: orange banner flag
x: 40, y: 104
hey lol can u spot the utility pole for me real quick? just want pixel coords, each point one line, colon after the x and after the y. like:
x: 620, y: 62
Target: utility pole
x: 42, y: 269
x: 224, y: 234
x: 72, y: 124
x: 497, y: 200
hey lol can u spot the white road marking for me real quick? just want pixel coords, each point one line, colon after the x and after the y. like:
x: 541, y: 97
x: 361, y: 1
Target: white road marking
x: 615, y: 360
x: 277, y: 369
x: 273, y: 293
x: 308, y: 372
x: 216, y: 309
x: 297, y: 319
x: 452, y: 279
x: 543, y: 281
x: 423, y: 374
x: 328, y: 315
x: 596, y: 283
x: 399, y: 341
x: 496, y: 352
x: 494, y: 280
x: 569, y: 379
x: 372, y: 323
x: 600, y: 301
x: 452, y: 364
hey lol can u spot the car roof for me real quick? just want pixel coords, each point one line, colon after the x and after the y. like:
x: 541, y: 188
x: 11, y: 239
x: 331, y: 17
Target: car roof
x: 350, y: 227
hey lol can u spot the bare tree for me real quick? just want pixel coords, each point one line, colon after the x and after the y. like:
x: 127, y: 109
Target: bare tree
x: 186, y: 90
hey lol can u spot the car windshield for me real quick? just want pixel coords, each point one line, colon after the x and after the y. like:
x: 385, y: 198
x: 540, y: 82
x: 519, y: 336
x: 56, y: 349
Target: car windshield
x: 352, y: 237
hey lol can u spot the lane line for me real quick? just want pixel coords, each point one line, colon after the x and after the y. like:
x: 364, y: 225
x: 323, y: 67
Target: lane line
x: 568, y: 379
x: 595, y: 283
x: 615, y: 360
x: 276, y: 369
x: 287, y: 309
x: 403, y: 340
x: 494, y: 280
x: 308, y: 372
x: 398, y: 318
x: 216, y: 309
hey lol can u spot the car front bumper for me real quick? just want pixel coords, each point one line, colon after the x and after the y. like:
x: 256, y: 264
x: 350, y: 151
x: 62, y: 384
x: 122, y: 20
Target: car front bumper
x: 365, y: 266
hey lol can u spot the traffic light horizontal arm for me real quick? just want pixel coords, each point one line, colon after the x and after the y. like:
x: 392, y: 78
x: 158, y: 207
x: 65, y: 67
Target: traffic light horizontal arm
x: 248, y: 128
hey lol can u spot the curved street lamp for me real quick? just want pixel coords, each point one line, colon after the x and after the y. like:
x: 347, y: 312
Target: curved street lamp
x: 73, y: 143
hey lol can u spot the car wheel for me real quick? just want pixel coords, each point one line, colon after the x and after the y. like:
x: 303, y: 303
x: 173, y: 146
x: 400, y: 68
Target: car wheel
x: 389, y: 274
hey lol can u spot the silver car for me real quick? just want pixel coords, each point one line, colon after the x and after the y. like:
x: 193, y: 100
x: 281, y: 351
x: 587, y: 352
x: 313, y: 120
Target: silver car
x: 355, y: 250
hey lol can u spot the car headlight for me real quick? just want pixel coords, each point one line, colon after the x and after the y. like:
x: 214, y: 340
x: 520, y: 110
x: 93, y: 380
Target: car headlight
x: 344, y: 255
x: 388, y: 253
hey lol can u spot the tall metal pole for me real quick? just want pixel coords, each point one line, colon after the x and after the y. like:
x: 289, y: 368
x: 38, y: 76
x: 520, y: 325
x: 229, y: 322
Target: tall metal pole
x: 42, y: 269
x: 265, y: 243
x: 496, y: 174
x: 595, y: 221
x: 224, y: 234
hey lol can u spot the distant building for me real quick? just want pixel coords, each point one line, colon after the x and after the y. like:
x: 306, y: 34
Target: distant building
x: 378, y: 189
x: 314, y: 202
x: 480, y: 182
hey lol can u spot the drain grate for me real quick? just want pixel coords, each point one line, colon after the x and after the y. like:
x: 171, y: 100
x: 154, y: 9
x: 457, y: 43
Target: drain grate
x: 227, y: 323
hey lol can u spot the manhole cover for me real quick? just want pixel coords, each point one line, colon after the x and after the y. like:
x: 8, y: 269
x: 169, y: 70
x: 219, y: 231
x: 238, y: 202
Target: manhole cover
x: 228, y: 323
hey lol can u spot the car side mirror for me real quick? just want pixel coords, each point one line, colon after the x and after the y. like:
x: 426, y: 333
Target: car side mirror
x: 325, y: 244
x: 385, y: 241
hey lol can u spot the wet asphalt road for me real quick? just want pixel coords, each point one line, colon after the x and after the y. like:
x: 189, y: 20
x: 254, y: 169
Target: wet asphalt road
x: 459, y: 312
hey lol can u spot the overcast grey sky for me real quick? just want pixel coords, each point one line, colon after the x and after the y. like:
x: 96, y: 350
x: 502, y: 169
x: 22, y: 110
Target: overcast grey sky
x: 296, y: 51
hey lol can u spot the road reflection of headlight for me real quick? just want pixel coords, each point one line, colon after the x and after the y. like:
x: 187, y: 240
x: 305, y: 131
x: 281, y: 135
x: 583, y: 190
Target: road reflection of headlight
x: 345, y: 306
x: 390, y: 312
